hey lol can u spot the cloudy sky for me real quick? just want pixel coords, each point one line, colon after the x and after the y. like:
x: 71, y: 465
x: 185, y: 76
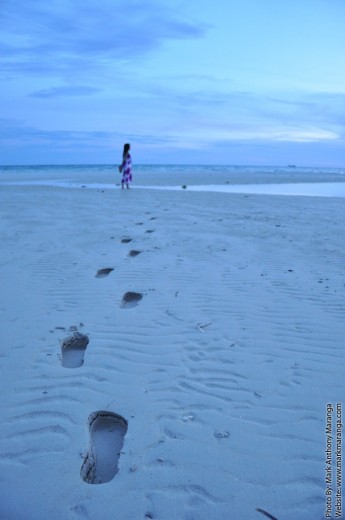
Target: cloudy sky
x: 185, y: 82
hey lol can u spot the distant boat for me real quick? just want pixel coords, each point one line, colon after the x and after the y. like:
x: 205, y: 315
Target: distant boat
x: 291, y: 166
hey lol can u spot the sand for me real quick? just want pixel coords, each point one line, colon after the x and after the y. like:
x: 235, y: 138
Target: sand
x: 212, y: 353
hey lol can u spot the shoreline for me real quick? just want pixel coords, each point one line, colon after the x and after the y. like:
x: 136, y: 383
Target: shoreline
x: 310, y: 189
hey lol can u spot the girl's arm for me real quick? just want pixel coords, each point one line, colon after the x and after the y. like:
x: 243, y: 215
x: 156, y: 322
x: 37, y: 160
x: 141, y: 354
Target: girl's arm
x: 122, y: 165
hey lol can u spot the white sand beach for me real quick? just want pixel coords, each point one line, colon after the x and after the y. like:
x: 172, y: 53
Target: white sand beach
x: 204, y: 399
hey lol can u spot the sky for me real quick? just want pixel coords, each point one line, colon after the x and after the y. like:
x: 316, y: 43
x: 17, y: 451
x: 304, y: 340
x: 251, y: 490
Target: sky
x: 249, y: 82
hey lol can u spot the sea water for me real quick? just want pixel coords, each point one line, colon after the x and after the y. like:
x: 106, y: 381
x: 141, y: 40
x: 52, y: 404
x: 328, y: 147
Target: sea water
x: 232, y: 179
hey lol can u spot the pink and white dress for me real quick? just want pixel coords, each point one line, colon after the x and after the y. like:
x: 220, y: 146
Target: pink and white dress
x: 126, y: 168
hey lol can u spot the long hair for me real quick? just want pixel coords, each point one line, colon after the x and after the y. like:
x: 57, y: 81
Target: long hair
x: 126, y: 149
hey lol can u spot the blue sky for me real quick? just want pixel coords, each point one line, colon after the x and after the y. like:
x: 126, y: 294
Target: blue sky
x: 197, y: 82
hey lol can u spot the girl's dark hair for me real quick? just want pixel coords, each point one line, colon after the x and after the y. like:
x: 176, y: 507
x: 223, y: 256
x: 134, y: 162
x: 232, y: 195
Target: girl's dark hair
x: 126, y: 149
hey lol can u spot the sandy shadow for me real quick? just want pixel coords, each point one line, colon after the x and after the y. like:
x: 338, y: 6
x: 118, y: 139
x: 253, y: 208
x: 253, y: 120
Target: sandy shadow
x: 102, y: 273
x: 107, y: 431
x: 134, y: 252
x: 73, y: 350
x: 130, y: 299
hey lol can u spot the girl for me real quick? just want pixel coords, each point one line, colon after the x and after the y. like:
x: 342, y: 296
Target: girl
x: 126, y: 166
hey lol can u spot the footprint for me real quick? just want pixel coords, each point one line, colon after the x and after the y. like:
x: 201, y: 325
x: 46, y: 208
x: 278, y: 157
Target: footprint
x: 150, y: 231
x: 101, y: 273
x: 126, y: 240
x: 133, y: 252
x: 130, y: 299
x: 73, y: 350
x: 107, y: 431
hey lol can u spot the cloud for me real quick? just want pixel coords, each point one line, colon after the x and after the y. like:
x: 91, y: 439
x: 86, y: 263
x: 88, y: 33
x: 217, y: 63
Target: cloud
x: 245, y: 115
x: 61, y: 35
x: 65, y: 91
x: 16, y: 134
x: 22, y: 144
